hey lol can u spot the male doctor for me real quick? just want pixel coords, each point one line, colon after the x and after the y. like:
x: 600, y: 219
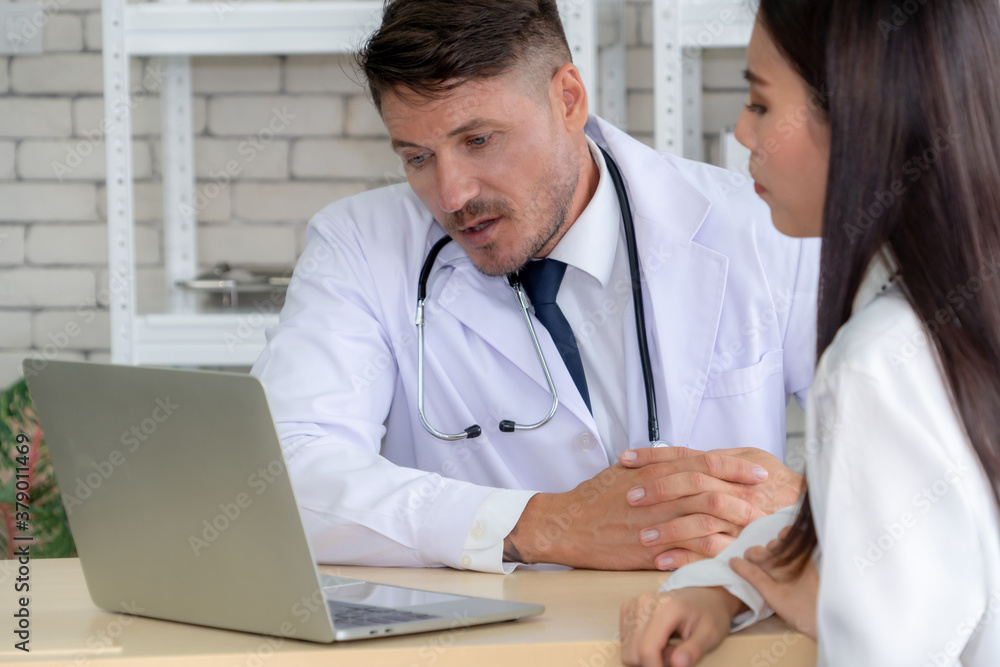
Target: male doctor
x: 490, y: 120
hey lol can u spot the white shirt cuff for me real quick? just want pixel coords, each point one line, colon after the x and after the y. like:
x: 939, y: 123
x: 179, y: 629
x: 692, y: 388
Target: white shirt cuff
x: 716, y: 571
x: 483, y: 549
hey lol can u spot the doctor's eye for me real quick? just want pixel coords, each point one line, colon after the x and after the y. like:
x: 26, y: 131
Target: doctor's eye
x: 480, y: 141
x: 416, y: 160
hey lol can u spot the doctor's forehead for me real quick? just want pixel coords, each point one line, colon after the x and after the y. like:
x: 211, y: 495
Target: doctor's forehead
x: 411, y: 118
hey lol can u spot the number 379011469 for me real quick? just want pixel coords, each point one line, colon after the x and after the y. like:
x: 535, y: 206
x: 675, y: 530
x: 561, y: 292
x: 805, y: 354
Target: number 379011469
x: 22, y: 474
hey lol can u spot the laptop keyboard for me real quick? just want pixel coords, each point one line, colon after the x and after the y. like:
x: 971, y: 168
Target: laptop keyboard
x: 349, y: 615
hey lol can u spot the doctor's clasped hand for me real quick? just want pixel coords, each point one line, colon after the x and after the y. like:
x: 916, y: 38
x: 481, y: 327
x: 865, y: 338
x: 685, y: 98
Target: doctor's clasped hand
x: 704, y: 499
x: 658, y: 508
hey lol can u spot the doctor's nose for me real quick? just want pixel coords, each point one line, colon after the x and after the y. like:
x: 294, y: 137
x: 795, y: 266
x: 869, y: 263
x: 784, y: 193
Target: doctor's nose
x: 456, y: 186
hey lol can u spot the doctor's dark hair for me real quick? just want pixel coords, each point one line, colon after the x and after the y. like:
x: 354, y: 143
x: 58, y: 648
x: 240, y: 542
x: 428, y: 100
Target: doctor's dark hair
x: 913, y: 106
x: 430, y: 47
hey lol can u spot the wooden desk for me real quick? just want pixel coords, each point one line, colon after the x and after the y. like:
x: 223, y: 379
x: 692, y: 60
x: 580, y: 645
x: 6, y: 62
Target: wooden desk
x: 578, y: 629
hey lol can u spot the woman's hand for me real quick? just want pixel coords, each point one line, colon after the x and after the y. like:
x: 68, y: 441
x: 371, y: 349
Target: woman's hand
x: 701, y: 617
x: 793, y: 599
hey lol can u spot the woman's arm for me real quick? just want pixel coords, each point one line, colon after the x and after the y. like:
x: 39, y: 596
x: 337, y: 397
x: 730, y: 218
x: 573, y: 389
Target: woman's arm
x: 700, y: 617
x: 701, y: 603
x: 717, y: 572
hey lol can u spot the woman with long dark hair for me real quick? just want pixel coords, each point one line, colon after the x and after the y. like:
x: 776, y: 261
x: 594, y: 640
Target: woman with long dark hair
x: 874, y: 124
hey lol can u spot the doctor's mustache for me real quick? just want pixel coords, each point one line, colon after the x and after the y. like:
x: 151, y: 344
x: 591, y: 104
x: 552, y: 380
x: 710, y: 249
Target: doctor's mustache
x: 479, y: 209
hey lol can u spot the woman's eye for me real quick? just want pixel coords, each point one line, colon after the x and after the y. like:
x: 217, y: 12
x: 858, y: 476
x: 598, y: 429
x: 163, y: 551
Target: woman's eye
x: 755, y: 108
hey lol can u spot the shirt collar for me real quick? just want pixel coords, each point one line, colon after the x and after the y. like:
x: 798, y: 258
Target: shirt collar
x: 881, y: 271
x: 591, y: 241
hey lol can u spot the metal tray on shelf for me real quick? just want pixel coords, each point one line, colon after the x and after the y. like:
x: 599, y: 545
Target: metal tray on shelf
x: 224, y: 284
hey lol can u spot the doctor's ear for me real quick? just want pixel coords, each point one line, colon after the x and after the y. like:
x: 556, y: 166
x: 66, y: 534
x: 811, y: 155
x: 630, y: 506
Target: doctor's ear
x: 570, y: 97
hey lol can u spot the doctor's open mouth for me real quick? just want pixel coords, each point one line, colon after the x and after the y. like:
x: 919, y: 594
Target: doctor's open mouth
x: 482, y: 232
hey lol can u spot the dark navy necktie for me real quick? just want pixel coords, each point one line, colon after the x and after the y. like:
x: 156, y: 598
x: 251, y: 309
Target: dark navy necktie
x: 541, y: 280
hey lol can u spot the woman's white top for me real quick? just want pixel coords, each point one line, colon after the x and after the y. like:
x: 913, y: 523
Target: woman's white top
x: 909, y: 554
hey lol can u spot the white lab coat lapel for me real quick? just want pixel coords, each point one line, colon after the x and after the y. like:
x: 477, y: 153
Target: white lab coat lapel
x: 488, y: 307
x: 683, y: 288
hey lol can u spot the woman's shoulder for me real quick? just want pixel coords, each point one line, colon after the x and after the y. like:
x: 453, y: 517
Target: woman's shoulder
x: 880, y: 378
x: 884, y: 341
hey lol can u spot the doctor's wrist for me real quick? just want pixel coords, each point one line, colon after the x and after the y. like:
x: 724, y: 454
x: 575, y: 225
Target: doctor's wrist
x: 527, y: 541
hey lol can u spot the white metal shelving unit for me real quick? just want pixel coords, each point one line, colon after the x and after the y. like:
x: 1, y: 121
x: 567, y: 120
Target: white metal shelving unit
x: 681, y: 30
x: 174, y: 30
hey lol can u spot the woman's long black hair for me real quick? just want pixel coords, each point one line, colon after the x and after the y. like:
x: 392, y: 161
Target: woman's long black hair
x: 911, y: 90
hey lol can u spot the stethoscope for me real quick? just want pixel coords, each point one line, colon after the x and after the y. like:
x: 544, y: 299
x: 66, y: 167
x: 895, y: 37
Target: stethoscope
x: 509, y: 426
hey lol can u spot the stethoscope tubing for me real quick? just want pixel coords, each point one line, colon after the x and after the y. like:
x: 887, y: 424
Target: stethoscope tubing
x: 508, y: 426
x: 473, y: 431
x: 640, y: 312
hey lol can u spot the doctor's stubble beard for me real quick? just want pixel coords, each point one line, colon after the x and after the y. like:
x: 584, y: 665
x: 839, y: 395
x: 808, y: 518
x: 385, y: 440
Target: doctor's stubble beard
x: 549, y: 202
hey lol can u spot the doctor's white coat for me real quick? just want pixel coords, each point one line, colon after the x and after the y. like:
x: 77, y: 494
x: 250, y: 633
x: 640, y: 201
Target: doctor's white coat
x: 730, y: 308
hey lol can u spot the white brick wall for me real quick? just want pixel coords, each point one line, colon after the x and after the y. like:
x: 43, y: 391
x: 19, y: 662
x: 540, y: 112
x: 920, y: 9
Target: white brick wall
x: 80, y: 5
x: 92, y: 31
x: 74, y: 160
x: 279, y: 115
x: 53, y: 242
x: 83, y: 328
x: 46, y: 202
x: 259, y: 74
x: 7, y: 160
x: 56, y: 74
x: 321, y: 74
x: 15, y: 329
x: 639, y: 61
x: 217, y: 209
x: 150, y: 285
x: 346, y: 159
x: 88, y: 115
x: 63, y: 32
x: 11, y: 244
x: 27, y: 117
x: 147, y: 202
x: 37, y: 287
x: 85, y: 244
x: 241, y: 158
x: 362, y: 120
x: 286, y: 202
x: 640, y: 112
x: 251, y: 244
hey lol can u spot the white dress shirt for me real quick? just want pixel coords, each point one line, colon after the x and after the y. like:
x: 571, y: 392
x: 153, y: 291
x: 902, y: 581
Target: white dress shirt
x: 908, y: 531
x: 593, y: 296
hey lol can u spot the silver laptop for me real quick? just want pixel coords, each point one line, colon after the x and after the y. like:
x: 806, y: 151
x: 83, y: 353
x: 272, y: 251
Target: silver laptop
x: 174, y: 482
